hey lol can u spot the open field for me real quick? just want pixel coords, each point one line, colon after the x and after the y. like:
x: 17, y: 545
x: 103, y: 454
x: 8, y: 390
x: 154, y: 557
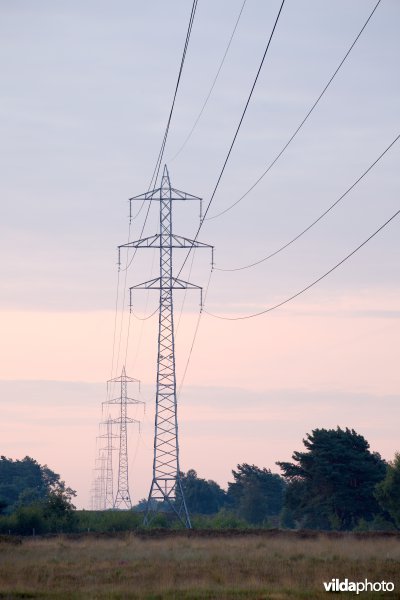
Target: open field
x: 258, y: 565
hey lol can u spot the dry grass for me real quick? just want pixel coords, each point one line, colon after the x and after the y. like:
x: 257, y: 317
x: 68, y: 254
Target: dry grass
x: 242, y: 567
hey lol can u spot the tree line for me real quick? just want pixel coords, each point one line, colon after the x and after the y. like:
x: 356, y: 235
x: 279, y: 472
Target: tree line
x: 334, y: 483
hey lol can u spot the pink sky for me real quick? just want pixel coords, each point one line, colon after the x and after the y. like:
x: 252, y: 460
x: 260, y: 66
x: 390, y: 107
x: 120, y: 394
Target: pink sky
x: 252, y: 391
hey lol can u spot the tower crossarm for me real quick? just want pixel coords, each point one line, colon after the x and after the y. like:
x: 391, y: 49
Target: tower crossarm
x: 174, y: 194
x: 126, y: 400
x: 155, y: 241
x: 123, y: 379
x: 150, y: 195
x: 125, y: 420
x: 157, y: 284
x: 147, y: 242
x: 107, y: 435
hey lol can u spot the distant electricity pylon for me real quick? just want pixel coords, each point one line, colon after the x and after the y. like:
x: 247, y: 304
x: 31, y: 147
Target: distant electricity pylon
x: 108, y: 476
x: 99, y: 481
x: 123, y: 497
x: 166, y: 485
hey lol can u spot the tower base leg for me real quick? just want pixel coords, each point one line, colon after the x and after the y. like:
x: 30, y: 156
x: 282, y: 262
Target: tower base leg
x: 167, y: 499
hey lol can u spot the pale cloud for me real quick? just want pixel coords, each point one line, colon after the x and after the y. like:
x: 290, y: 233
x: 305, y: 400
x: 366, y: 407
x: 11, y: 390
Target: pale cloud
x: 304, y: 346
x: 55, y: 345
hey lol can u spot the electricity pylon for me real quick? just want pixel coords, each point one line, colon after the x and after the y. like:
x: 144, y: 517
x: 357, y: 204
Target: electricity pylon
x: 166, y: 485
x: 123, y: 497
x: 108, y: 485
x: 99, y: 482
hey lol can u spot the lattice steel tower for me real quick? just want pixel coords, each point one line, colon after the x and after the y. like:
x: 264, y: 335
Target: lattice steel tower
x: 99, y: 481
x: 123, y: 497
x: 108, y: 485
x: 166, y: 483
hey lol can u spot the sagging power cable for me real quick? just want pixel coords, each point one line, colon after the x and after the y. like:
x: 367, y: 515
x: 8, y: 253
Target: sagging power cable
x: 299, y: 235
x: 271, y: 308
x: 189, y: 135
x: 235, y: 135
x: 277, y: 157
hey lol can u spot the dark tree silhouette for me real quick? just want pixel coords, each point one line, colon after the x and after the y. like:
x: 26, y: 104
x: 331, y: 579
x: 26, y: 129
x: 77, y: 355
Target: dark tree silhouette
x: 255, y: 494
x: 331, y: 485
x: 202, y: 496
x: 25, y: 482
x: 388, y: 491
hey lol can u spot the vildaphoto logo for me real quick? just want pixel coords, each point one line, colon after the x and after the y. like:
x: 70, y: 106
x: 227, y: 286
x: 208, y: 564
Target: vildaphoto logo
x: 335, y: 585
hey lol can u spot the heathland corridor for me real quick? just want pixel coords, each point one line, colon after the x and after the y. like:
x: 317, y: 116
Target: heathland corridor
x: 257, y: 564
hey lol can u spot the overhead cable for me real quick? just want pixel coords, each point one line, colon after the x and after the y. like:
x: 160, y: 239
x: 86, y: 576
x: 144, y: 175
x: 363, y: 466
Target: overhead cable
x: 189, y: 135
x: 156, y: 170
x: 236, y: 133
x: 222, y: 212
x: 271, y: 308
x: 299, y: 235
x: 161, y: 153
x: 196, y: 331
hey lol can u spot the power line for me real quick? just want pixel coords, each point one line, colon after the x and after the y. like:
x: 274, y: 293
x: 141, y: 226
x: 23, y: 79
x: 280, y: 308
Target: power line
x: 154, y: 176
x: 299, y: 235
x: 212, y: 86
x: 302, y: 122
x: 271, y: 308
x: 156, y: 170
x: 164, y: 142
x: 270, y: 166
x: 115, y: 327
x: 184, y: 296
x: 194, y: 336
x: 161, y: 153
x: 148, y: 316
x: 142, y: 319
x: 284, y: 148
x: 236, y: 133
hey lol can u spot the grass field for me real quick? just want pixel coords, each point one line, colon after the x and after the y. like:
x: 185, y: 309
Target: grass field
x: 257, y: 565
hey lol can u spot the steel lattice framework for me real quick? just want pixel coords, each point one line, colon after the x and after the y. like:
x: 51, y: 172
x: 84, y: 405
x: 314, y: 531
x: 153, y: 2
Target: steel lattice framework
x: 166, y: 485
x: 123, y: 497
x: 108, y: 486
x: 98, y: 489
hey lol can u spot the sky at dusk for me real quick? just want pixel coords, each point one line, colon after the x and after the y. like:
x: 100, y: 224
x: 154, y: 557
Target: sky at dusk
x: 86, y: 90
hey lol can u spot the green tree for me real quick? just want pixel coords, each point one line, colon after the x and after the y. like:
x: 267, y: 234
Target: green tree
x: 58, y: 510
x: 202, y: 496
x: 21, y: 482
x: 25, y: 483
x: 255, y: 494
x: 331, y: 485
x: 388, y: 491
